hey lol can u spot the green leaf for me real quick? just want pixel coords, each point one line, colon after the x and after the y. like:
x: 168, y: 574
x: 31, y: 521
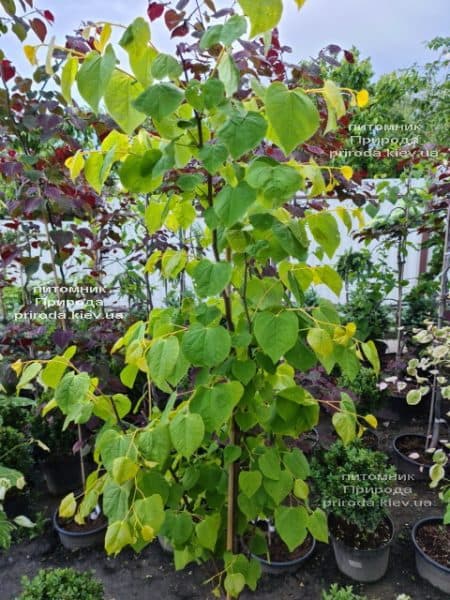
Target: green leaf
x: 173, y: 262
x: 135, y: 41
x: 280, y: 489
x: 28, y: 374
x: 232, y: 203
x: 234, y: 584
x: 264, y: 14
x: 71, y: 397
x: 250, y: 482
x: 118, y: 535
x: 265, y: 293
x: 291, y: 524
x: 320, y: 341
x: 270, y: 465
x: 325, y: 231
x: 229, y: 74
x: 136, y: 172
x: 213, y: 156
x: 178, y: 527
x: 186, y: 432
x: 213, y: 93
x: 115, y: 500
x: 276, y: 334
x: 162, y: 359
x: 216, y: 404
x: 413, y: 397
x: 120, y: 94
x: 371, y: 353
x: 166, y: 65
x: 136, y: 37
x: 94, y: 75
x: 206, y: 346
x: 208, y: 530
x: 9, y: 6
x: 124, y: 469
x: 278, y: 182
x: 330, y: 278
x: 240, y: 134
x: 155, y: 445
x: 345, y: 421
x: 211, y: 278
x: 68, y: 76
x: 297, y: 464
x: 234, y: 28
x: 150, y: 512
x: 211, y: 37
x: 293, y: 116
x: 318, y: 526
x: 159, y: 100
x: 244, y: 370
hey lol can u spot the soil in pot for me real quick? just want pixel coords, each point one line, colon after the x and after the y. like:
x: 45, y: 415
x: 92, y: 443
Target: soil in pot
x: 434, y: 540
x: 90, y: 525
x: 352, y: 537
x: 278, y: 552
x: 73, y: 536
x: 413, y: 447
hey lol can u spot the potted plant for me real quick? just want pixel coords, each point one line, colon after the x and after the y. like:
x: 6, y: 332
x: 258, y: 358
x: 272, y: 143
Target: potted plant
x: 350, y: 482
x: 59, y: 464
x: 414, y: 452
x: 200, y: 147
x: 10, y: 480
x: 431, y: 536
x: 16, y: 454
x: 64, y: 584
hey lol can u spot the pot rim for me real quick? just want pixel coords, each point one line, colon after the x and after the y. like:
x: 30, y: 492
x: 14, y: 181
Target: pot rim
x: 282, y: 564
x: 60, y: 529
x: 403, y: 456
x: 418, y: 549
x: 368, y: 550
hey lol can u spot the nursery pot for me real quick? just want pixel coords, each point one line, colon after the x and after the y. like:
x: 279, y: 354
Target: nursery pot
x: 278, y: 567
x: 396, y: 402
x: 436, y: 574
x: 363, y: 565
x: 74, y: 540
x: 408, y: 465
x: 284, y: 567
x: 62, y: 474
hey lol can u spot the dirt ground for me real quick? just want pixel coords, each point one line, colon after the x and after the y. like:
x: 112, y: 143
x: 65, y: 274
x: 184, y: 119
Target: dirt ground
x: 151, y: 576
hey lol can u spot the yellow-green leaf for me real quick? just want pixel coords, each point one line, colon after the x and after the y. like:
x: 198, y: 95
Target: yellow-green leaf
x: 264, y: 14
x: 75, y: 164
x: 67, y: 507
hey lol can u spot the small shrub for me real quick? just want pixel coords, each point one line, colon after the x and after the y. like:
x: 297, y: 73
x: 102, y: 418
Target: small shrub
x: 61, y: 584
x: 15, y: 451
x: 351, y: 484
x: 341, y: 593
x: 364, y: 386
x: 49, y: 430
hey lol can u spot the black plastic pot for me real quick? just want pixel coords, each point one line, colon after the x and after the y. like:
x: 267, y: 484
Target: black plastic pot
x: 429, y: 569
x: 74, y: 540
x: 284, y: 567
x: 363, y: 565
x: 408, y: 465
x: 62, y: 474
x: 396, y: 402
